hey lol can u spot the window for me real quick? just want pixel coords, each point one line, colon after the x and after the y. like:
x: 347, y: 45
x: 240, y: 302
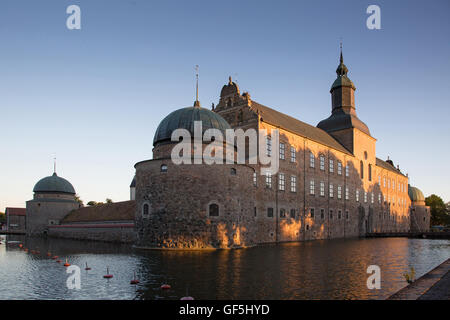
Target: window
x: 311, y: 213
x: 365, y: 196
x: 384, y: 182
x: 346, y: 215
x: 145, y: 209
x: 347, y: 173
x: 293, y: 184
x: 293, y: 213
x: 282, y: 213
x: 268, y: 180
x: 379, y: 198
x: 270, y: 212
x: 282, y: 151
x: 339, y: 214
x: 311, y: 187
x: 331, y: 166
x: 322, y: 189
x: 370, y: 172
x: 163, y: 168
x: 293, y: 154
x: 372, y: 196
x: 379, y: 180
x: 331, y: 214
x: 389, y: 183
x: 331, y: 191
x: 213, y: 210
x: 361, y: 169
x: 233, y: 171
x: 322, y: 162
x: 269, y: 146
x: 339, y: 168
x: 322, y: 214
x: 393, y: 184
x: 339, y: 193
x: 398, y: 184
x: 255, y: 175
x: 281, y: 182
x: 311, y: 159
x: 357, y: 195
x: 254, y: 211
x: 346, y: 193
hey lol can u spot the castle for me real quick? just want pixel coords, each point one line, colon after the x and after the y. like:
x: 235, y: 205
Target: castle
x: 329, y: 185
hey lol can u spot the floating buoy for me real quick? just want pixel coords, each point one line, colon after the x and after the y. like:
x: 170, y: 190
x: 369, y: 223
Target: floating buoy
x: 20, y: 245
x: 66, y: 264
x: 187, y: 298
x: 87, y: 268
x: 134, y: 281
x: 165, y: 286
x: 107, y: 275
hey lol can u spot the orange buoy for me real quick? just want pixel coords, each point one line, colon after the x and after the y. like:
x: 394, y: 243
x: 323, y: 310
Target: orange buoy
x: 134, y: 281
x: 66, y: 264
x: 49, y: 254
x: 107, y: 275
x: 87, y: 268
x: 165, y: 286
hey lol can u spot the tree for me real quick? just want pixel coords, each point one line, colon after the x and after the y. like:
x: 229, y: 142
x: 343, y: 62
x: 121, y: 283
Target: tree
x: 77, y: 199
x: 92, y: 203
x: 2, y: 218
x: 438, y: 209
x: 108, y: 200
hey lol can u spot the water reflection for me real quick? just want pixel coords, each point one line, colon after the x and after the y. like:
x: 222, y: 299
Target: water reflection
x: 310, y: 270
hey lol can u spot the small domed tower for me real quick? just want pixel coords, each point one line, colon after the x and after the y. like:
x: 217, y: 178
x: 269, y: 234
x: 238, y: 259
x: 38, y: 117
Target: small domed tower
x: 420, y: 213
x: 54, y: 198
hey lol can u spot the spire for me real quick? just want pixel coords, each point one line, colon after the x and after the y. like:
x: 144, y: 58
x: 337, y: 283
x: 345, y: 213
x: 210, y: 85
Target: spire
x: 54, y: 166
x: 341, y: 69
x: 196, y: 102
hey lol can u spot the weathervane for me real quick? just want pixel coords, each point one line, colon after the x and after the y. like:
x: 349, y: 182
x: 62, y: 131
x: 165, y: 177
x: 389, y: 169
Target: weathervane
x: 196, y: 103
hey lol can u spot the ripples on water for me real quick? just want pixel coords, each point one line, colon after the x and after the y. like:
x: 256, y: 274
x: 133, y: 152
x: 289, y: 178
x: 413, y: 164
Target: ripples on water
x: 334, y: 269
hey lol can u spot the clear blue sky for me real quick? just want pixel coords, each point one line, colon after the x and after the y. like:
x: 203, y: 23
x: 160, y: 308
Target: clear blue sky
x: 95, y: 96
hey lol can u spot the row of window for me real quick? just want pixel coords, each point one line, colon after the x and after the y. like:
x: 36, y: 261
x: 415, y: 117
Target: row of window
x: 312, y: 159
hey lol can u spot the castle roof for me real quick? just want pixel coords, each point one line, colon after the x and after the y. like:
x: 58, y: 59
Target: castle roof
x: 386, y: 165
x: 415, y: 194
x: 55, y: 184
x: 184, y: 119
x: 117, y: 211
x: 301, y: 128
x: 16, y: 211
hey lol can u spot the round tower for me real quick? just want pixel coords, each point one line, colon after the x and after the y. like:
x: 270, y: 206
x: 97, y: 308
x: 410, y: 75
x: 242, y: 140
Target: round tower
x: 54, y: 198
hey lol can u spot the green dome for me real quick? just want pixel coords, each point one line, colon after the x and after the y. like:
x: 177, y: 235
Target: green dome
x: 184, y: 119
x: 54, y: 184
x: 415, y: 194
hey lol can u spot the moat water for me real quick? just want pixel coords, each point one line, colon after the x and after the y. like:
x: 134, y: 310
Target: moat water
x: 333, y: 269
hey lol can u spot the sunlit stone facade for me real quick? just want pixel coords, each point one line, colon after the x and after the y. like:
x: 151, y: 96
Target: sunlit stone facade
x: 330, y: 184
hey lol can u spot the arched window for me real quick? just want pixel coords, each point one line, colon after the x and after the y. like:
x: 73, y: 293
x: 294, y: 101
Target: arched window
x: 370, y: 172
x: 163, y: 168
x: 145, y: 209
x: 213, y: 210
x: 361, y: 169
